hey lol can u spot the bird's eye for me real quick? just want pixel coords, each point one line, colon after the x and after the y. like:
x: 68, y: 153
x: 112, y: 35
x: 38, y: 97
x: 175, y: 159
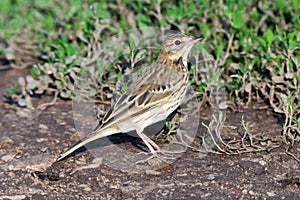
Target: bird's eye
x: 177, y: 42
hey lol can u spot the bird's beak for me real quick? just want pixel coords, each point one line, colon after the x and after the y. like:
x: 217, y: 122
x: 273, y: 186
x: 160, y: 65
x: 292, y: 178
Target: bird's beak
x: 197, y: 39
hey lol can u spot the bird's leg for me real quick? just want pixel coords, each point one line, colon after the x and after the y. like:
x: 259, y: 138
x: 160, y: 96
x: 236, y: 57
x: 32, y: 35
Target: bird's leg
x: 149, y: 143
x: 155, y: 150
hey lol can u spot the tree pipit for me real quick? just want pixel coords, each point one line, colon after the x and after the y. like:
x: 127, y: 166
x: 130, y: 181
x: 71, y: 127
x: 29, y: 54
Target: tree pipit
x: 151, y: 99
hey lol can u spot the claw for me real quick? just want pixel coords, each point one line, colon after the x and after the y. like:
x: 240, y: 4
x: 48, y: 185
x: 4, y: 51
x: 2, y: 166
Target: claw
x: 163, y: 155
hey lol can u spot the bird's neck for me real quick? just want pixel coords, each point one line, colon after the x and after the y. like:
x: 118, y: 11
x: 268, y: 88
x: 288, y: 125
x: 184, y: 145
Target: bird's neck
x: 171, y: 61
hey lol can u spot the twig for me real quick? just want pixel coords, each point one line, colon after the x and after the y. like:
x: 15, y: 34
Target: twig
x: 291, y: 154
x: 45, y: 105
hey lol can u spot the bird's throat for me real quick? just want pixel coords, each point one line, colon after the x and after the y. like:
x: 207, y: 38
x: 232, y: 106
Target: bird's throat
x: 171, y: 61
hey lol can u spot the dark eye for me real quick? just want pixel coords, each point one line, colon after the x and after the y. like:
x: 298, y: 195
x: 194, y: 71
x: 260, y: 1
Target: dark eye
x: 177, y: 42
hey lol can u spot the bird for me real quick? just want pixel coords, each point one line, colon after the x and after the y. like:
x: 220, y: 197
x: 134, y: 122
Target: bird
x: 154, y: 95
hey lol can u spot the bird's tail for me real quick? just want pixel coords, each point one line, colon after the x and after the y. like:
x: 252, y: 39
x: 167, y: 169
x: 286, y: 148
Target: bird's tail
x: 89, y: 138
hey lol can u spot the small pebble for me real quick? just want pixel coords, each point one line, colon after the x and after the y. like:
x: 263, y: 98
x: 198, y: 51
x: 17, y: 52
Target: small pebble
x: 245, y: 191
x: 211, y: 177
x: 43, y: 127
x: 262, y: 162
x: 44, y: 149
x: 153, y: 172
x: 271, y: 194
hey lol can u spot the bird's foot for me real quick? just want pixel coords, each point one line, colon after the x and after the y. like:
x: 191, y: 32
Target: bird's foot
x: 163, y: 155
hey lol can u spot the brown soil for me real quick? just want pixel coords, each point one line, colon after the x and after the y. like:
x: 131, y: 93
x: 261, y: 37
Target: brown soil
x: 31, y: 140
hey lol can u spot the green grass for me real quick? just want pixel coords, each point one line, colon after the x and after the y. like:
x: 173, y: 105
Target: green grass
x: 255, y: 45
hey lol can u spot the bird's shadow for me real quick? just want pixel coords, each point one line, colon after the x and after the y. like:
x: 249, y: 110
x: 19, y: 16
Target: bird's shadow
x: 121, y: 138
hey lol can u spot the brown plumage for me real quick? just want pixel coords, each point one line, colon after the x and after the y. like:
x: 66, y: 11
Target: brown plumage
x: 152, y: 98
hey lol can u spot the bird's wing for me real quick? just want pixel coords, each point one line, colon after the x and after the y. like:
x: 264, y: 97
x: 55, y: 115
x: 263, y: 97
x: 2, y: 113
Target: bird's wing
x: 150, y: 91
x: 139, y: 101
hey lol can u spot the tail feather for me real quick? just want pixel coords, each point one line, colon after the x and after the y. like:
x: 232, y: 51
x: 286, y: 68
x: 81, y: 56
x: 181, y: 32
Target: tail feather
x: 91, y: 137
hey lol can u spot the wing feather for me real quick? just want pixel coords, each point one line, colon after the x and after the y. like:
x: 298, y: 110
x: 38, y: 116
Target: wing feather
x: 151, y: 93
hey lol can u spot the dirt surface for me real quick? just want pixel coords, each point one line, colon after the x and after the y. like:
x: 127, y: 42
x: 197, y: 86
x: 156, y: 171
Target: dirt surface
x: 30, y: 141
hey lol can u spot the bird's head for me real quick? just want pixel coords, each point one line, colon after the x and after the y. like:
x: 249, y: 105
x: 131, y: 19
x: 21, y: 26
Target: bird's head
x: 177, y: 46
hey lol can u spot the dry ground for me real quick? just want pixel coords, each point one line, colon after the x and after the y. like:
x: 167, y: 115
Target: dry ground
x: 31, y: 140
